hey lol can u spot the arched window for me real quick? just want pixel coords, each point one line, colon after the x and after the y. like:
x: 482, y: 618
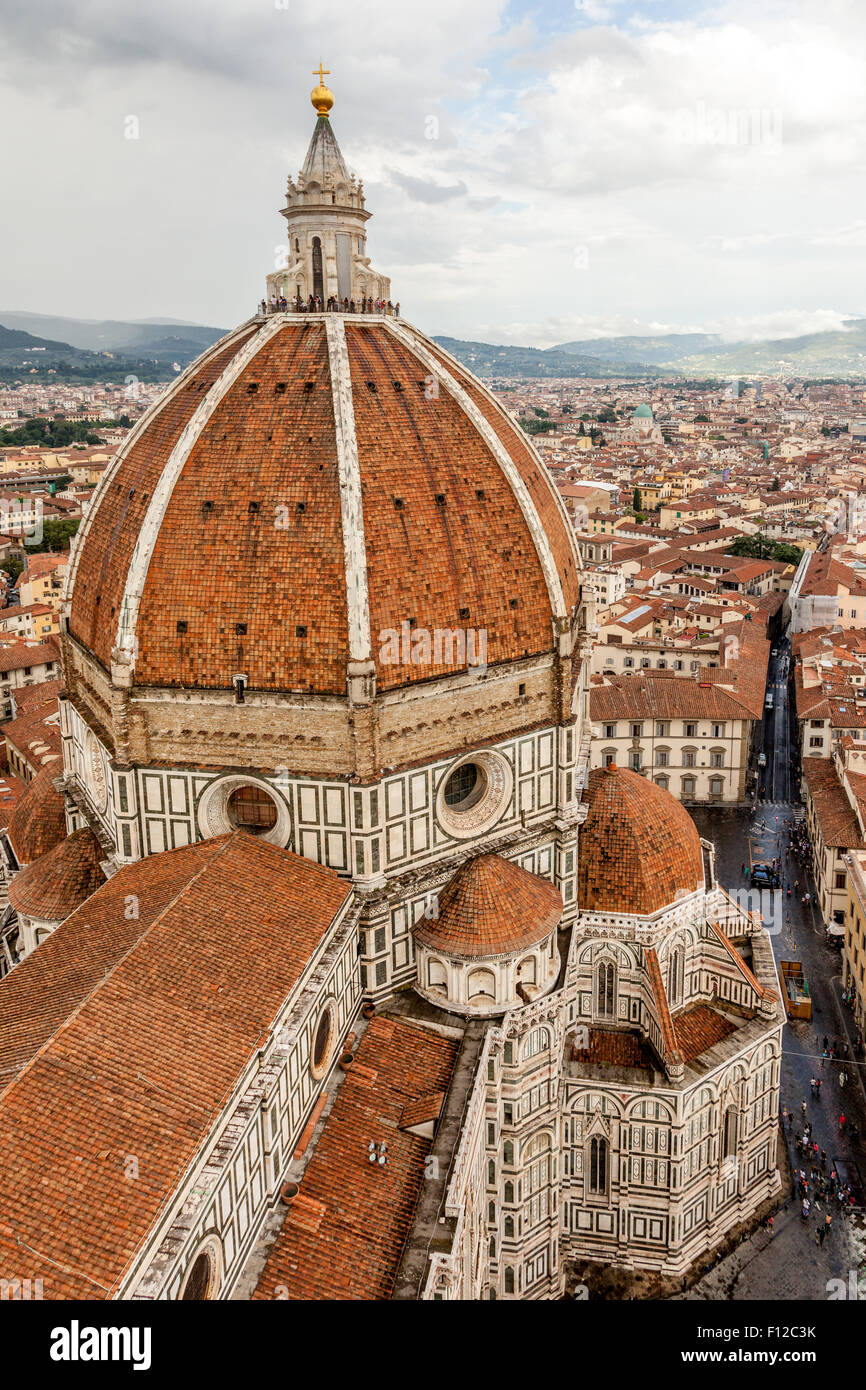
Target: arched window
x: 508, y: 1153
x: 663, y: 782
x: 690, y: 757
x: 509, y: 1279
x: 717, y: 787
x: 508, y: 1228
x: 200, y: 1280
x: 526, y: 971
x: 437, y: 976
x: 536, y: 1159
x: 491, y: 1211
x: 598, y: 1165
x: 491, y: 1172
x: 729, y: 1132
x: 688, y: 786
x: 508, y: 1192
x: 481, y: 986
x: 608, y: 756
x: 676, y: 967
x: 538, y: 1041
x: 318, y: 280
x: 717, y: 757
x: 663, y: 757
x: 605, y: 993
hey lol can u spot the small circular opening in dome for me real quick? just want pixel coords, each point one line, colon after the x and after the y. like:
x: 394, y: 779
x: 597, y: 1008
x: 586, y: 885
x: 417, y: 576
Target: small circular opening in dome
x: 464, y: 787
x: 252, y: 809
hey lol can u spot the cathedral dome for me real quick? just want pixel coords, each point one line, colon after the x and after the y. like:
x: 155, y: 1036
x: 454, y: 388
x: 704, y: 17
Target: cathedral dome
x: 320, y: 492
x: 643, y: 412
x: 639, y: 847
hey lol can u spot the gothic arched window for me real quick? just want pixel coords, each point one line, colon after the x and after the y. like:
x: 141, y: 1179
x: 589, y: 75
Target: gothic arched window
x: 605, y: 989
x: 729, y: 1132
x: 598, y: 1165
x: 675, y: 975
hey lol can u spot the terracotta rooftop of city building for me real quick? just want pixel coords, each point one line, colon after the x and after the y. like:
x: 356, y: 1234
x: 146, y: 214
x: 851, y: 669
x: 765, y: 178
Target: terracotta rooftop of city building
x: 491, y: 907
x: 126, y: 1033
x: 639, y: 847
x: 344, y: 1233
x: 338, y: 479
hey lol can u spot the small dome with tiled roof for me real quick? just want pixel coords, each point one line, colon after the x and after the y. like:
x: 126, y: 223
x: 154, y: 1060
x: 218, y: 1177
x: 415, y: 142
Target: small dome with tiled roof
x: 489, y: 944
x: 38, y: 822
x: 58, y: 882
x: 639, y: 847
x: 491, y: 907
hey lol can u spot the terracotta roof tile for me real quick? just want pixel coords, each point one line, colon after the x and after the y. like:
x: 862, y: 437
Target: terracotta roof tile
x: 60, y: 881
x: 835, y: 814
x: 258, y: 500
x: 490, y: 907
x: 699, y: 1028
x: 124, y: 1037
x: 353, y: 1250
x: 639, y: 848
x: 38, y: 822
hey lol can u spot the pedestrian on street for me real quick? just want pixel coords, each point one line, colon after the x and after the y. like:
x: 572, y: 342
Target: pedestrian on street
x: 841, y: 1124
x: 824, y: 1160
x: 843, y: 1077
x: 804, y: 1107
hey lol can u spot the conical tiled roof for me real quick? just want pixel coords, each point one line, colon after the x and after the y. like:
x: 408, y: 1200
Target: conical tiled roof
x: 61, y: 880
x: 324, y: 163
x: 38, y: 822
x: 639, y: 848
x: 491, y: 907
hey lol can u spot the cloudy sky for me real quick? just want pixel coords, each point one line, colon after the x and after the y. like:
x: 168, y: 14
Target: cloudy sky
x: 537, y: 172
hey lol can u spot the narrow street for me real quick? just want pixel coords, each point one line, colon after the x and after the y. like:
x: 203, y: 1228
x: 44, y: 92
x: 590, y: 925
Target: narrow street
x: 790, y: 1264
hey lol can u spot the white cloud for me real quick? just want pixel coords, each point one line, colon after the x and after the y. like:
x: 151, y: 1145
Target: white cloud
x: 639, y: 169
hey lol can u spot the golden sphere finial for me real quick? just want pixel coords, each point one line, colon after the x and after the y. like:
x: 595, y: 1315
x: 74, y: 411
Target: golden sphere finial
x: 321, y: 96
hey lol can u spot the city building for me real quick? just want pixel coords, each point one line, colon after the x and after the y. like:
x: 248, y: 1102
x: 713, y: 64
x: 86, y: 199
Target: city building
x: 320, y: 905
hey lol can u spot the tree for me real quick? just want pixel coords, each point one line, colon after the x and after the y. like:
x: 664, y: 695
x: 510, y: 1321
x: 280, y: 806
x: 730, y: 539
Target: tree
x: 758, y: 547
x: 702, y: 419
x: 636, y: 499
x: 777, y: 486
x: 57, y: 533
x: 13, y: 567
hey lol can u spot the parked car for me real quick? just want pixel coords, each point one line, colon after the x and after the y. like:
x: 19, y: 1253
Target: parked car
x: 764, y: 876
x: 762, y: 760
